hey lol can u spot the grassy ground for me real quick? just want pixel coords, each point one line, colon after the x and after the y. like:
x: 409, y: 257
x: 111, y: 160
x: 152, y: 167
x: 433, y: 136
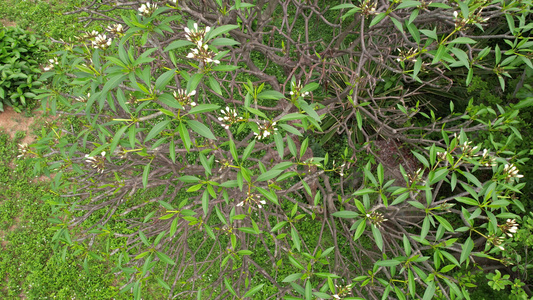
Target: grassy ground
x: 31, y: 266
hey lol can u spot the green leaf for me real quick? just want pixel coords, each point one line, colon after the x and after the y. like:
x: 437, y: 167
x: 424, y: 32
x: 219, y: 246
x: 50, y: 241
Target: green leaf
x: 346, y: 214
x: 146, y: 171
x: 253, y: 291
x: 270, y: 95
x: 224, y: 42
x: 378, y: 18
x: 430, y: 291
x: 162, y: 81
x: 113, y: 81
x: 421, y: 158
x: 201, y: 108
x: 295, y: 239
x: 220, y: 30
x: 201, y: 129
x: 462, y: 40
x: 269, y: 175
x: 438, y: 56
x: 471, y: 178
x: 215, y: 86
x: 467, y: 247
x: 388, y: 263
x: 162, y: 283
x: 256, y: 112
x: 165, y: 258
x: 156, y: 130
x: 229, y: 287
x: 342, y: 6
x: 178, y: 44
x: 377, y: 237
x: 292, y: 277
x: 116, y: 139
x: 194, y: 81
x: 308, y: 290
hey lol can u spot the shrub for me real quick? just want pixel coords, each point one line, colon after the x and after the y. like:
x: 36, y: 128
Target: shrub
x: 175, y: 104
x: 21, y: 53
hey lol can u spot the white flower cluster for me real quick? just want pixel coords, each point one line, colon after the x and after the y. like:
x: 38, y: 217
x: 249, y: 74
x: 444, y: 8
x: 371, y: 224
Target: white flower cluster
x: 417, y: 177
x: 252, y: 199
x: 487, y: 161
x: 376, y: 218
x: 368, y: 7
x: 230, y: 116
x: 265, y: 130
x: 511, y: 171
x: 462, y: 21
x: 296, y: 89
x: 91, y: 34
x: 407, y: 55
x: 101, y: 42
x: 468, y: 150
x: 97, y: 163
x: 510, y: 227
x: 183, y: 98
x: 83, y: 99
x: 147, y: 9
x: 116, y: 29
x: 201, y: 52
x: 52, y: 62
x: 24, y: 149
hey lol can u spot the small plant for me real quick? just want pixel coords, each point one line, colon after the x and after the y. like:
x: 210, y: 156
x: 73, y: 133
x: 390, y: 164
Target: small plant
x: 19, y: 67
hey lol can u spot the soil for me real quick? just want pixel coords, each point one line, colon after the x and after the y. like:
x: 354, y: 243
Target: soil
x: 11, y: 122
x: 7, y: 23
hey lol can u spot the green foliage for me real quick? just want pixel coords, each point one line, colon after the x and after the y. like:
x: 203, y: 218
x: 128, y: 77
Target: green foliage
x: 22, y: 52
x: 30, y: 263
x: 203, y: 175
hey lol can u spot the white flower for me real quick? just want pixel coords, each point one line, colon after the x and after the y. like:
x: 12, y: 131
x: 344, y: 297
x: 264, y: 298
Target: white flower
x: 455, y: 14
x: 101, y: 42
x: 147, y: 9
x: 115, y: 28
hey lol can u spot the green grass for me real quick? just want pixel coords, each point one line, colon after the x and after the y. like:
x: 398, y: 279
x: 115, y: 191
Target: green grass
x: 29, y: 266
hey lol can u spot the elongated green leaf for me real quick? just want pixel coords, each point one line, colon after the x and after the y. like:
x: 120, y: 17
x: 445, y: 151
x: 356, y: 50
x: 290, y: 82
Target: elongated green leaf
x: 229, y: 287
x: 201, y: 129
x: 156, y: 130
x: 346, y: 214
x: 270, y: 95
x: 292, y: 277
x: 462, y: 40
x: 253, y: 291
x: 220, y: 30
x: 201, y: 108
x: 162, y: 81
x: 467, y: 247
x: 116, y: 139
x: 377, y: 237
x: 165, y: 258
x: 113, y: 81
x: 178, y: 44
x: 269, y: 175
x: 388, y: 263
x: 295, y: 239
x: 146, y: 171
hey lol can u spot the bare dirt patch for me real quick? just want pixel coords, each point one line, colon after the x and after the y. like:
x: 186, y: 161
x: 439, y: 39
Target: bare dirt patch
x: 12, y: 122
x: 8, y: 23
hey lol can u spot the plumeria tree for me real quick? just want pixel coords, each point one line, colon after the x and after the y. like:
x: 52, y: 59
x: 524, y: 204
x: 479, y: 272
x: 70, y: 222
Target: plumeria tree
x: 281, y: 149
